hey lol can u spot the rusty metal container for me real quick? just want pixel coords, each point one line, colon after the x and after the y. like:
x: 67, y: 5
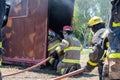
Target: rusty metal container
x: 25, y: 35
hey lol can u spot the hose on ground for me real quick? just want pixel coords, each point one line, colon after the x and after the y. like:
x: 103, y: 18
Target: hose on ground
x: 29, y: 68
x: 69, y: 74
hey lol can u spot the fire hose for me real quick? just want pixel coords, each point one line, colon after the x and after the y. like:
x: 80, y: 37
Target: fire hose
x: 38, y: 64
x: 69, y: 74
x: 29, y: 68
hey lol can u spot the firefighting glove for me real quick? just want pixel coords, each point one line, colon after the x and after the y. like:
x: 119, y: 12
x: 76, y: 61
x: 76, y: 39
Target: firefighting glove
x: 53, y: 54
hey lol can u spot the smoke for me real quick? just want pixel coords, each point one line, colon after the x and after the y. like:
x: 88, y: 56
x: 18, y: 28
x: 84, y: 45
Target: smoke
x: 68, y: 3
x: 60, y: 14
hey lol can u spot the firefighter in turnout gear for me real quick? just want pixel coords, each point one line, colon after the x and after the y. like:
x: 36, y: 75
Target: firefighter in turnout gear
x: 111, y: 70
x: 4, y: 11
x: 99, y: 43
x: 71, y: 48
x: 53, y: 41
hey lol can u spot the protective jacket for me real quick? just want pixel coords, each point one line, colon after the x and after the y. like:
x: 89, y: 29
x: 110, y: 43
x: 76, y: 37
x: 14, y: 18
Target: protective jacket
x: 53, y: 42
x: 100, y: 44
x: 2, y: 13
x: 71, y: 47
x: 114, y: 35
x: 111, y: 69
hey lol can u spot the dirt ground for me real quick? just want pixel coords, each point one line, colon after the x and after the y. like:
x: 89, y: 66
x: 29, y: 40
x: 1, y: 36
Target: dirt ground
x: 46, y: 73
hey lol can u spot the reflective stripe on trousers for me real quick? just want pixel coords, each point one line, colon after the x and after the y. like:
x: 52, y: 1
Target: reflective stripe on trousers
x: 92, y: 63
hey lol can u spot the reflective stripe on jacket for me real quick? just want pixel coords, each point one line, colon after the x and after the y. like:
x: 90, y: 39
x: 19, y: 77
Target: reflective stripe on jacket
x: 114, y: 24
x: 72, y: 48
x: 53, y: 45
x: 71, y: 61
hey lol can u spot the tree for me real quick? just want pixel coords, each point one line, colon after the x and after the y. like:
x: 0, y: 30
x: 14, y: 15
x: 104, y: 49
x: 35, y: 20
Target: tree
x: 83, y: 11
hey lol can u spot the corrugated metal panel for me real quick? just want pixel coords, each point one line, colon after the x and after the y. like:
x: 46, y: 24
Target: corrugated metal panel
x: 26, y: 31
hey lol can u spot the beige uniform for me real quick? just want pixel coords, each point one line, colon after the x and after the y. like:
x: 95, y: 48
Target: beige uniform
x: 71, y: 59
x: 99, y: 47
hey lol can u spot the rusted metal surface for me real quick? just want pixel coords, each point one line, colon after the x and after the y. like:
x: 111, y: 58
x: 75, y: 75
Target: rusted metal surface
x: 24, y: 37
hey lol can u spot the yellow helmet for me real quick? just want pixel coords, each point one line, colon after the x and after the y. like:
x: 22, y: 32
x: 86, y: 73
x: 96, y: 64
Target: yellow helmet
x: 95, y: 20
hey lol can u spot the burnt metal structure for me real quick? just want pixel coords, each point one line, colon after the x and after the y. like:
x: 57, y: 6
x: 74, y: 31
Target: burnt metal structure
x: 25, y: 35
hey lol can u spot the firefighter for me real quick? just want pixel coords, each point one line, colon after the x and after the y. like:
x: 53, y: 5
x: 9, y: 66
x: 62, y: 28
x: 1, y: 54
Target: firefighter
x: 70, y: 47
x: 99, y: 43
x: 53, y: 41
x: 111, y: 70
x: 2, y: 13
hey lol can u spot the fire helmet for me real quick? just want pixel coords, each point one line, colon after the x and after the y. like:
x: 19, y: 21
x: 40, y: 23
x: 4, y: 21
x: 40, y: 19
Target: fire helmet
x: 67, y: 28
x: 94, y: 20
x: 51, y: 33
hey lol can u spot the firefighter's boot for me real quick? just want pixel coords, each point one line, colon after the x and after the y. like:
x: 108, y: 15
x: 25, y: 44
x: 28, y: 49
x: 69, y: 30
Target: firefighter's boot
x: 69, y: 69
x: 73, y: 68
x: 54, y: 62
x: 66, y: 70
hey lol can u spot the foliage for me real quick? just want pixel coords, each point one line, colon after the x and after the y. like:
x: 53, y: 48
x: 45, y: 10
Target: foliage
x: 83, y: 11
